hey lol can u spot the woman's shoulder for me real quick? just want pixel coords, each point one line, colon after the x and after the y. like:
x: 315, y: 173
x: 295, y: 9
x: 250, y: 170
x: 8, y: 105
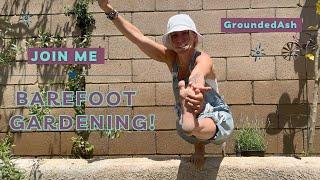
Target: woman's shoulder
x: 205, y: 58
x: 203, y: 55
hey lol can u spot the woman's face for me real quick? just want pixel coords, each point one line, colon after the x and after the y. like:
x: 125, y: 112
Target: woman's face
x: 182, y: 40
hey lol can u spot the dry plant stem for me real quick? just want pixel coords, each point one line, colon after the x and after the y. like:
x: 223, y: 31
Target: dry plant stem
x: 313, y: 112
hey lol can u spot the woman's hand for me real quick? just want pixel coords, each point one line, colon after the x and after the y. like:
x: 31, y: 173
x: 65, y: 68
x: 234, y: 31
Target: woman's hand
x: 200, y: 87
x: 195, y: 100
x: 105, y: 6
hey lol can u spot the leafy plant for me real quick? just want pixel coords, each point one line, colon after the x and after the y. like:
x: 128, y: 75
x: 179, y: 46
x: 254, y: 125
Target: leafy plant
x: 76, y: 82
x: 9, y: 52
x: 81, y: 148
x: 45, y: 40
x: 111, y: 133
x: 76, y: 79
x: 8, y: 47
x: 8, y: 170
x: 85, y: 23
x: 40, y: 110
x: 249, y: 139
x: 84, y: 20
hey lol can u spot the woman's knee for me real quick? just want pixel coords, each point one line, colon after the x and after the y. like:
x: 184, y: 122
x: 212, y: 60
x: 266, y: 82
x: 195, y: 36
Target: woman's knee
x: 204, y: 135
x: 206, y: 125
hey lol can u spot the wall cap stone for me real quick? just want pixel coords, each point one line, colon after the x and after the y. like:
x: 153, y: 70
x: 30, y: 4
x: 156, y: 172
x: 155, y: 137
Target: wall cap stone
x: 172, y: 168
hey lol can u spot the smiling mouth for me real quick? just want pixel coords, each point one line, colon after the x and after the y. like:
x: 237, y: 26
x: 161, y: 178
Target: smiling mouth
x: 186, y: 47
x: 183, y: 46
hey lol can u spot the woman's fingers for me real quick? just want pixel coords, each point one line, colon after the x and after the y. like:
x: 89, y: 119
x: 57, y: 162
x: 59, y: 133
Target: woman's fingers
x: 181, y: 85
x: 192, y: 107
x: 182, y: 90
x: 197, y: 96
x: 203, y: 89
x: 193, y: 101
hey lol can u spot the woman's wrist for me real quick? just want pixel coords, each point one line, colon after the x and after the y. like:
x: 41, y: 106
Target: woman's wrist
x: 112, y: 15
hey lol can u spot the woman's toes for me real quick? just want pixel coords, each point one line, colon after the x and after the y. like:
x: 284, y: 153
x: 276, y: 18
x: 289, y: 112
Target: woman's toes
x: 181, y: 85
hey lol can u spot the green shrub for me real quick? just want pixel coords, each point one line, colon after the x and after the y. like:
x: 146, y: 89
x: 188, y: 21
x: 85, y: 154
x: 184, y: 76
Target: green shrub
x: 81, y: 148
x: 8, y: 170
x: 249, y: 139
x: 8, y: 46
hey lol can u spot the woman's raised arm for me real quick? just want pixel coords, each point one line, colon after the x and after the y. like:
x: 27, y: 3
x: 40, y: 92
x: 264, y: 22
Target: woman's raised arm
x: 151, y: 48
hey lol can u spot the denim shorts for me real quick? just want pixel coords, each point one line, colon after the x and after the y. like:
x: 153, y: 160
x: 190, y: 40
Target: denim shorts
x: 221, y: 116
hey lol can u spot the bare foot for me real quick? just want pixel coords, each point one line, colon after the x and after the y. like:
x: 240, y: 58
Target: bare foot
x: 198, y: 158
x: 188, y: 118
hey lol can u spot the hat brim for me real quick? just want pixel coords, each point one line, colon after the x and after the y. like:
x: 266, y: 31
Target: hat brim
x: 165, y: 37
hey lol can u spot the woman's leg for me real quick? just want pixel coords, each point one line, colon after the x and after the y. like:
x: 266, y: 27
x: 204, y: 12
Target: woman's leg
x: 205, y: 130
x: 198, y: 157
x: 189, y: 121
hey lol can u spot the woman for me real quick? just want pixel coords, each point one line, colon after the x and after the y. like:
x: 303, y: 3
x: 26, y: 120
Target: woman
x: 203, y: 116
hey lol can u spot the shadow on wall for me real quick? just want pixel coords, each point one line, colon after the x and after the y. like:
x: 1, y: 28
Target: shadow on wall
x: 21, y: 32
x: 292, y: 116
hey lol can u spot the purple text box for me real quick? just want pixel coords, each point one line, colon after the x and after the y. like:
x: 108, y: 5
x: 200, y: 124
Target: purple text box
x: 241, y: 25
x: 66, y: 55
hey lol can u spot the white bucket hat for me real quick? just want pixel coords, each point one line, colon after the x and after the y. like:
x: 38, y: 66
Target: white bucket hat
x: 179, y: 22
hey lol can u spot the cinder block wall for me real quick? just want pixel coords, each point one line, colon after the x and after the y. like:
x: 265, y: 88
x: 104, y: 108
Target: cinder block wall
x: 271, y: 90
